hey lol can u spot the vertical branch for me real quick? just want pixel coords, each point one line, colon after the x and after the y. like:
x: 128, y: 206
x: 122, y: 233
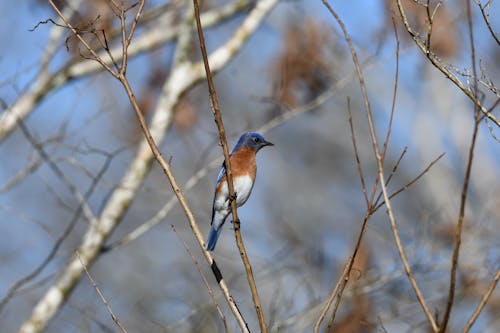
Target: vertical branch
x: 229, y: 175
x: 356, y: 155
x: 465, y: 187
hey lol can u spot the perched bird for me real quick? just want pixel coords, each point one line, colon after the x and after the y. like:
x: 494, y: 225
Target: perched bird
x: 244, y: 169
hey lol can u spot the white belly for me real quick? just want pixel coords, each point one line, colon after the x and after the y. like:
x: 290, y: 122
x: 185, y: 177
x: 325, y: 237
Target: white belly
x: 242, y: 186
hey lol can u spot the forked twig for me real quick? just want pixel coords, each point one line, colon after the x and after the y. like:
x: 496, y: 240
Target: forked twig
x: 381, y: 177
x: 103, y: 299
x: 411, y: 182
x: 60, y: 239
x: 436, y: 63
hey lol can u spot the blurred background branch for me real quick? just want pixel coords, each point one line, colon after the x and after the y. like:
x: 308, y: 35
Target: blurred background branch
x: 285, y: 71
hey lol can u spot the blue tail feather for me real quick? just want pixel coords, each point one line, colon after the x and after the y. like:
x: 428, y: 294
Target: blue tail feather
x: 212, y: 238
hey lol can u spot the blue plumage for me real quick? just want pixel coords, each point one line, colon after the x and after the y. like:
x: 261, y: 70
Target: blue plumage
x: 244, y: 170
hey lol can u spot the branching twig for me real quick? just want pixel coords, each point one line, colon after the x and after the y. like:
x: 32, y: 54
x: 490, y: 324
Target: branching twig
x: 57, y: 244
x: 436, y: 63
x: 46, y: 83
x: 89, y: 215
x: 356, y: 154
x: 381, y: 177
x: 411, y: 182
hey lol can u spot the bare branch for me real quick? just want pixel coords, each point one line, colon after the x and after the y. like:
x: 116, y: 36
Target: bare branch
x: 32, y: 166
x: 436, y: 63
x: 46, y: 83
x: 343, y: 277
x: 482, y: 303
x: 465, y: 187
x: 410, y: 183
x: 58, y: 242
x: 78, y: 35
x: 380, y: 170
x: 103, y: 299
x: 356, y: 154
x: 487, y: 19
x: 229, y: 175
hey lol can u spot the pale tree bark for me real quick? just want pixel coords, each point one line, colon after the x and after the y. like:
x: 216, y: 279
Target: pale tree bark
x: 184, y: 75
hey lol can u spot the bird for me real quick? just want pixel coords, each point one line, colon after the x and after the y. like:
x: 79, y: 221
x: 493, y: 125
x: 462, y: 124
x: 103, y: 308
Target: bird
x: 244, y: 170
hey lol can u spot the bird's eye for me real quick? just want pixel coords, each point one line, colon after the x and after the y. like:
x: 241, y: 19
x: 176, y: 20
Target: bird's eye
x: 256, y: 140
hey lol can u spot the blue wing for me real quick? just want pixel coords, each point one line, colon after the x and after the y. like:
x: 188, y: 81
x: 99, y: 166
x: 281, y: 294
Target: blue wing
x: 222, y: 171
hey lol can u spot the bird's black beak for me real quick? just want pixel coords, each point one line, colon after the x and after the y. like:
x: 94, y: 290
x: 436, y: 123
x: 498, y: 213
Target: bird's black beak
x: 267, y: 143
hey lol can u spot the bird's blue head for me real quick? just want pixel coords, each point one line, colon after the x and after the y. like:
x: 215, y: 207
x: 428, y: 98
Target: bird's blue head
x: 252, y: 140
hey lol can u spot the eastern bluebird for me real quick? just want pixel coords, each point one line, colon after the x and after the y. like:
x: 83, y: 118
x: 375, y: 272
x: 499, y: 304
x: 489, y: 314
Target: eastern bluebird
x: 244, y: 170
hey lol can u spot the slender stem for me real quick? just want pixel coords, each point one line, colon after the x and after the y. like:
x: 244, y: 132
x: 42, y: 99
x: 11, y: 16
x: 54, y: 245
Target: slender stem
x: 101, y: 295
x: 465, y: 187
x: 229, y: 175
x: 483, y: 302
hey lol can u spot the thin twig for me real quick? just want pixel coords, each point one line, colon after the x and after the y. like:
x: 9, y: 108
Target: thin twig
x: 87, y: 211
x: 356, y: 155
x: 329, y: 302
x: 465, y: 187
x: 229, y: 175
x: 487, y: 21
x: 482, y: 303
x: 411, y: 182
x: 103, y: 299
x: 205, y: 281
x: 78, y: 35
x: 58, y: 242
x: 436, y: 63
x: 393, y: 172
x: 394, y: 93
x: 22, y: 174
